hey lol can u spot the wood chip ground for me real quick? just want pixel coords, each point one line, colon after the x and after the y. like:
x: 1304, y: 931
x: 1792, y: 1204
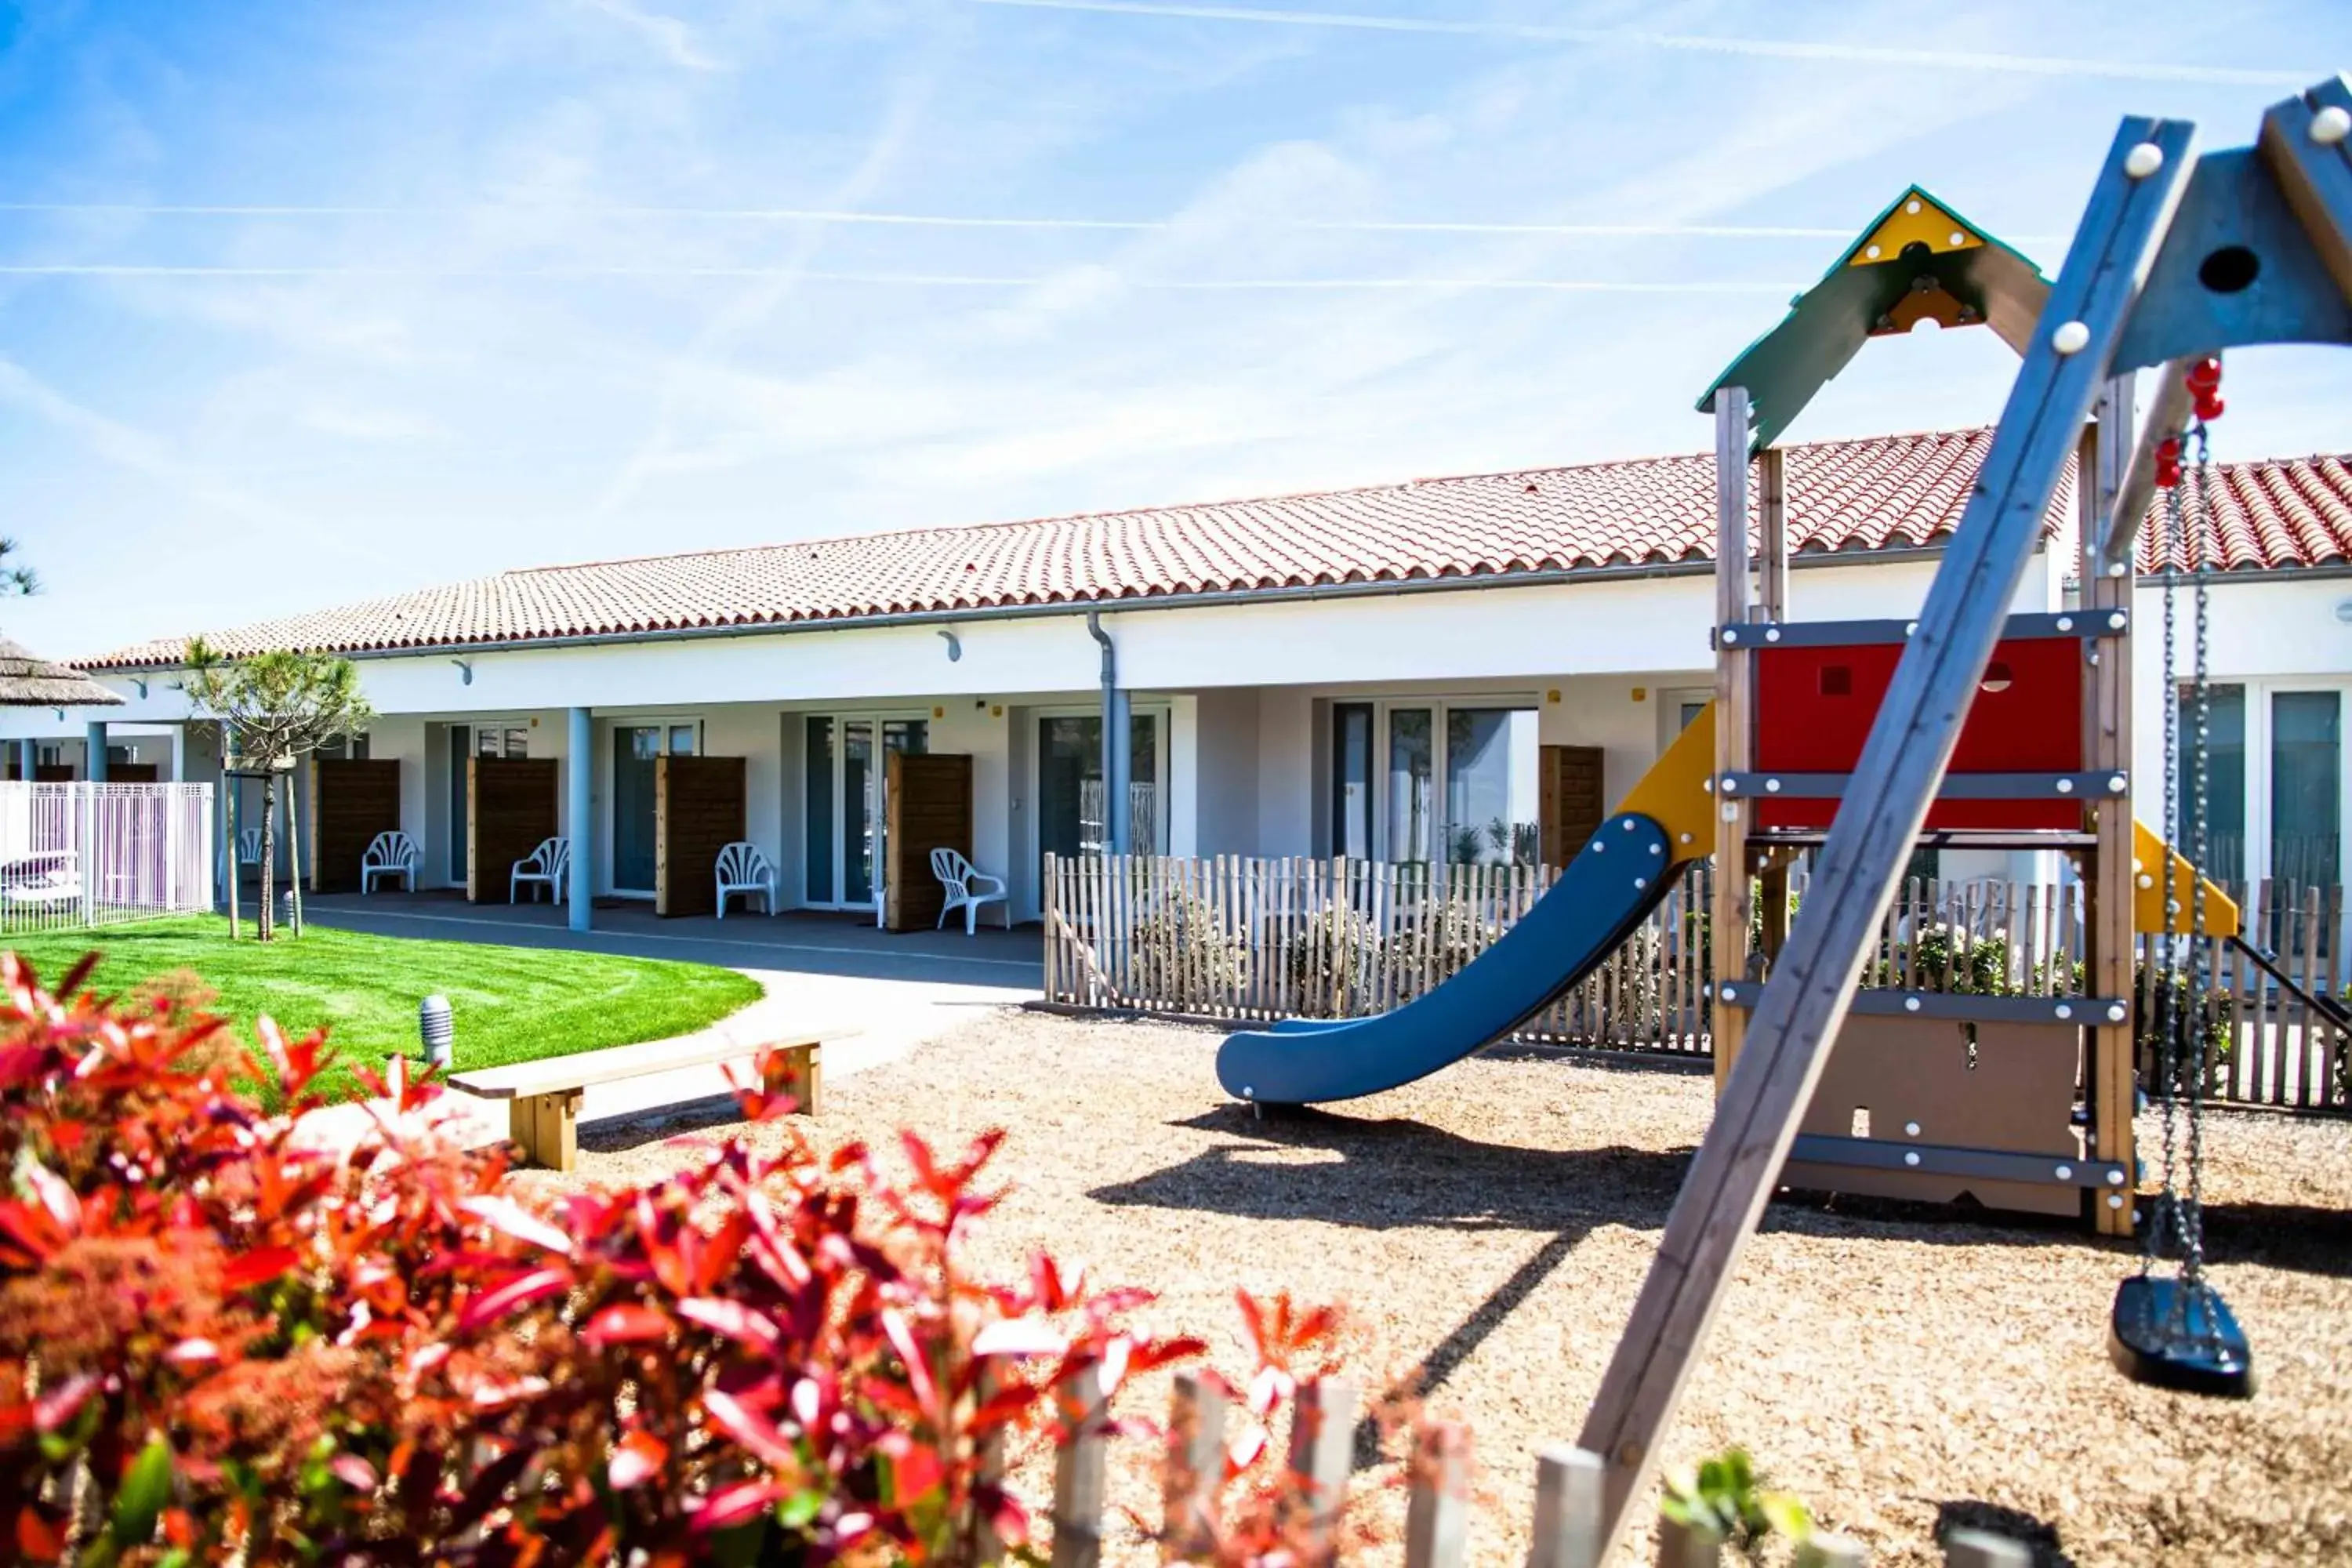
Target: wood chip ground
x: 1903, y: 1371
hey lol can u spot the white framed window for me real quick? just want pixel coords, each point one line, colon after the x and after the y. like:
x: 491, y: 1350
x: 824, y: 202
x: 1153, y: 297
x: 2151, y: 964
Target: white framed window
x: 2277, y: 791
x: 1420, y: 780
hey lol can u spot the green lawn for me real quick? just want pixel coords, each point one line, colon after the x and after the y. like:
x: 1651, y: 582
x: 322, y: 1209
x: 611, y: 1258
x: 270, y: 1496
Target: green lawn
x: 511, y: 1004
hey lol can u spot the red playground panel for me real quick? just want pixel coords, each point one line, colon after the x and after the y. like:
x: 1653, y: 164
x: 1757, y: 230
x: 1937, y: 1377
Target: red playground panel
x: 1814, y: 707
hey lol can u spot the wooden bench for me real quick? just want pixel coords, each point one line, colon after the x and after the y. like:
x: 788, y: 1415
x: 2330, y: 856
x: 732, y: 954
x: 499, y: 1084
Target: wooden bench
x: 544, y: 1113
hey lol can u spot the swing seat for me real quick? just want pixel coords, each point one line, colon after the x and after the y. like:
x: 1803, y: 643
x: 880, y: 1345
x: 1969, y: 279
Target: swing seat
x: 2204, y: 1353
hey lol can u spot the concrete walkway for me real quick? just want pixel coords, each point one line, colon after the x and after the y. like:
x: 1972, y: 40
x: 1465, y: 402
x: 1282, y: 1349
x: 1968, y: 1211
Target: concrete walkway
x: 894, y: 992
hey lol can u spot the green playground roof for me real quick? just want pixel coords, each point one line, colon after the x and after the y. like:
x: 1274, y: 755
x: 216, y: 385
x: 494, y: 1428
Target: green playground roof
x: 1917, y: 260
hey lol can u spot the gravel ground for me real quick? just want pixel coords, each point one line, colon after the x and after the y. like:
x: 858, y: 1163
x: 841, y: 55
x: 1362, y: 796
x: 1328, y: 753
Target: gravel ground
x: 1901, y: 1370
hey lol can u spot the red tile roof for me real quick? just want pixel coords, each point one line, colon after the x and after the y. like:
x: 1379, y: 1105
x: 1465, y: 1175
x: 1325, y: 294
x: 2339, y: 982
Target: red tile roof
x: 1884, y: 493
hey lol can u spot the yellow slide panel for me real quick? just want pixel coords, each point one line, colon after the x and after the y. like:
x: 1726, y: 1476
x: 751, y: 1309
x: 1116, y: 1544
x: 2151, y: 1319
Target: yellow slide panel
x: 2149, y: 851
x: 1673, y: 792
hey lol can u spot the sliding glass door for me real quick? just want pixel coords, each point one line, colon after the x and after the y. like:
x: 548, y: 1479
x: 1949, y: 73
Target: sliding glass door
x: 841, y: 779
x: 1074, y: 809
x: 1418, y: 782
x: 636, y: 750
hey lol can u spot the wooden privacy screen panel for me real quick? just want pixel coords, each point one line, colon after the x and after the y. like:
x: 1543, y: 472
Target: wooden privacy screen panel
x: 351, y: 802
x: 53, y: 772
x: 131, y: 772
x: 1569, y: 800
x: 929, y: 807
x: 509, y: 807
x: 698, y: 812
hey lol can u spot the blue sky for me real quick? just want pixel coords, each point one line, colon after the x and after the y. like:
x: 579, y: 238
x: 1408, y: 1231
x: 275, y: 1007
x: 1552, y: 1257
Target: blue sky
x: 301, y: 304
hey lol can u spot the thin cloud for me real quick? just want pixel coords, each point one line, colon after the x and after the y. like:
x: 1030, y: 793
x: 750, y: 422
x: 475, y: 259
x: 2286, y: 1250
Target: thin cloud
x: 126, y: 448
x: 1696, y: 43
x: 962, y: 220
x: 788, y: 274
x: 671, y: 39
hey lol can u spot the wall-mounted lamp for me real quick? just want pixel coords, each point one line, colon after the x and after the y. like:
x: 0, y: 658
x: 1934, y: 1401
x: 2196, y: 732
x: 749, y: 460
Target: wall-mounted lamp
x: 955, y: 647
x: 464, y: 671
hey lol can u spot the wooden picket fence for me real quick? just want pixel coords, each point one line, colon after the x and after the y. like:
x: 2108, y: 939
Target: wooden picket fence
x: 1251, y: 939
x: 1312, y: 1506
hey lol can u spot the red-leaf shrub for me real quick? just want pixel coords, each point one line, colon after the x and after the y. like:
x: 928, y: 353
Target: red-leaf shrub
x: 229, y: 1332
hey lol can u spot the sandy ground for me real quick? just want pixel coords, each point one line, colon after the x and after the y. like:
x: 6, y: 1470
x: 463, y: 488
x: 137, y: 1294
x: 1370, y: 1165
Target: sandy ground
x: 1902, y: 1370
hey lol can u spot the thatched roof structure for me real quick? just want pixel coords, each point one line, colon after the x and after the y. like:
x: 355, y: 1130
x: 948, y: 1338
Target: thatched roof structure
x: 29, y: 682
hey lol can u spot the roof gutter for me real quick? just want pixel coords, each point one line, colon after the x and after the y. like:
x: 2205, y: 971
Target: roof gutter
x: 1303, y: 593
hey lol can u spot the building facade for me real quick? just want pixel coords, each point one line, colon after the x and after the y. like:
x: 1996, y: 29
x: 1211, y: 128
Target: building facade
x: 1376, y: 673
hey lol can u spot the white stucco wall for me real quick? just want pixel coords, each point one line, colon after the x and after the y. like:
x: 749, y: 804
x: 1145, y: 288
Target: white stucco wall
x: 1606, y: 625
x: 1245, y: 690
x: 1227, y: 737
x: 2270, y: 638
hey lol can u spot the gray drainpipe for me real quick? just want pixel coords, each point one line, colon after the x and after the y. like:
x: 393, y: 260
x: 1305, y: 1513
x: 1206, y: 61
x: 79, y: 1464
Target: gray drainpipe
x: 1114, y: 731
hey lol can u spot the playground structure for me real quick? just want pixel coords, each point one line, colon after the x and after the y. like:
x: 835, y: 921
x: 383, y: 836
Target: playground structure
x: 2177, y: 259
x: 1928, y: 1096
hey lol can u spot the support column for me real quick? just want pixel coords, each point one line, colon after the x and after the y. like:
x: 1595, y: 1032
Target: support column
x: 94, y: 764
x: 579, y: 823
x: 2110, y: 1076
x: 28, y: 758
x: 1727, y: 916
x: 1773, y: 605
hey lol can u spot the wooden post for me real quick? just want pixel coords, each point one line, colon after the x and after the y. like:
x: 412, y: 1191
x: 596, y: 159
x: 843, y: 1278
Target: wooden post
x: 1078, y: 1471
x: 228, y: 833
x: 1734, y: 671
x: 1193, y: 1471
x: 1684, y: 1545
x: 986, y: 1546
x: 1771, y: 605
x: 1802, y: 1006
x: 1567, y: 1509
x: 1772, y: 534
x: 1322, y: 1452
x: 1437, y: 1514
x: 1975, y: 1549
x: 2109, y: 1079
x: 293, y: 858
x: 804, y: 1078
x: 547, y: 1127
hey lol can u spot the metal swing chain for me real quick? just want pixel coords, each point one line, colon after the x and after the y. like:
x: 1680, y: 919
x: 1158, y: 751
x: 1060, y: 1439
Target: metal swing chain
x: 2201, y: 947
x: 2165, y: 1220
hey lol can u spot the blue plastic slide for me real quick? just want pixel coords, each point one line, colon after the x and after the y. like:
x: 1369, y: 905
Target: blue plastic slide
x: 1601, y: 899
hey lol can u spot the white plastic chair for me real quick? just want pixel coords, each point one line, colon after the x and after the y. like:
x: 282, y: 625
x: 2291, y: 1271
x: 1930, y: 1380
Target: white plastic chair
x: 743, y: 868
x: 544, y: 867
x: 956, y: 875
x: 392, y: 853
x: 46, y: 877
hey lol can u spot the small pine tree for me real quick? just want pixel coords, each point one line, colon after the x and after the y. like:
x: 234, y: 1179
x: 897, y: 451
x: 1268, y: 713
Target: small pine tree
x: 15, y: 582
x: 275, y: 708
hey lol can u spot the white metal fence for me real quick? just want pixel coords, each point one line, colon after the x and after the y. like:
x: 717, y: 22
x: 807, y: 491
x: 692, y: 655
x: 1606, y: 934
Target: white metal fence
x: 73, y: 856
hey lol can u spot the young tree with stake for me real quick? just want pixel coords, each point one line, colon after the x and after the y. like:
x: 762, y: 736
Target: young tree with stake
x: 275, y: 708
